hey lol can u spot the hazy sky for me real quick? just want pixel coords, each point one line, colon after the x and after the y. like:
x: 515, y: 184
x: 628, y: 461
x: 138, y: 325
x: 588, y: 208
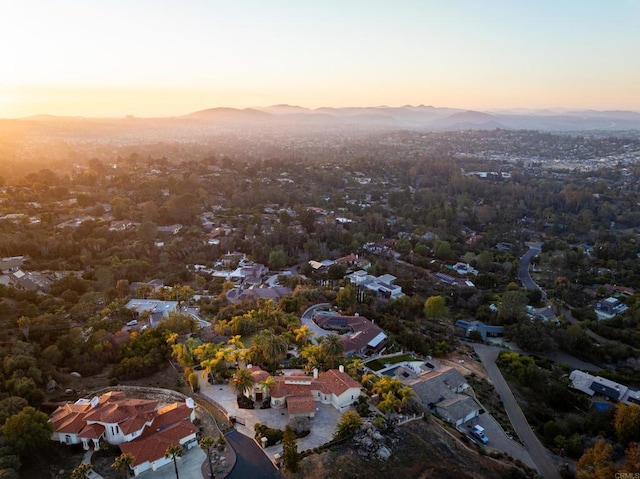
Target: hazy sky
x: 170, y: 57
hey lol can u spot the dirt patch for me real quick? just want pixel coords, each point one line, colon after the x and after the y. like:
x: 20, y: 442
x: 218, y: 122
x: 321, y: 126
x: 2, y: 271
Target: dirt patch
x: 465, y: 360
x: 425, y: 452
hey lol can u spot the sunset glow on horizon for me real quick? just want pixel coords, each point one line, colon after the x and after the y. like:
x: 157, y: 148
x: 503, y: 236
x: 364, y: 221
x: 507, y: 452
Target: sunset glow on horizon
x: 168, y: 58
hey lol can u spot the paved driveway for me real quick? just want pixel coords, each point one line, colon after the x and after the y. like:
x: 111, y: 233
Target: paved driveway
x: 189, y: 466
x: 322, y: 426
x: 536, y: 450
x: 307, y: 320
x: 498, y: 439
x: 251, y: 462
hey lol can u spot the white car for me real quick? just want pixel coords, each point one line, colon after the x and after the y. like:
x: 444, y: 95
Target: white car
x: 133, y: 322
x: 478, y: 431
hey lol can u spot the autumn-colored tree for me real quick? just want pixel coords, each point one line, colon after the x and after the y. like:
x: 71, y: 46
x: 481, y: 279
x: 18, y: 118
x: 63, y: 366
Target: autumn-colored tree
x: 435, y: 307
x: 632, y: 458
x: 596, y: 462
x: 627, y: 423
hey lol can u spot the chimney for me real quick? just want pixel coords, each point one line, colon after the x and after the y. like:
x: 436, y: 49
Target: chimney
x: 315, y: 373
x: 341, y: 368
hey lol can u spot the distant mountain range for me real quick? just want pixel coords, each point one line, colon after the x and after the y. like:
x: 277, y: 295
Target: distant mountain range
x: 377, y: 118
x: 427, y: 117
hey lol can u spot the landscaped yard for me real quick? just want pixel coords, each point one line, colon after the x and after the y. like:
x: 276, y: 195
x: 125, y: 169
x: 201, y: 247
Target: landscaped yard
x: 381, y: 363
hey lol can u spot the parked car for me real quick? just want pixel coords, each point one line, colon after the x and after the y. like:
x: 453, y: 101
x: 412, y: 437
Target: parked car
x: 478, y: 432
x: 133, y: 322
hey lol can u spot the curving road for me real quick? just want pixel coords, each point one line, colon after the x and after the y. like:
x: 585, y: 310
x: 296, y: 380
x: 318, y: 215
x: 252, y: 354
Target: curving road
x: 536, y: 450
x: 523, y: 271
x: 307, y: 320
x: 251, y: 461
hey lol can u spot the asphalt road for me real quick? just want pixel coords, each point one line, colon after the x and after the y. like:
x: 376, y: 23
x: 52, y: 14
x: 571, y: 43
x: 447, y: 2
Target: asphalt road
x: 251, y: 461
x: 536, y: 450
x: 523, y: 271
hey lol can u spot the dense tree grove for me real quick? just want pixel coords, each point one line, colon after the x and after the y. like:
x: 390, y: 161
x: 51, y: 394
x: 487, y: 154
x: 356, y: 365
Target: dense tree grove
x: 86, y: 229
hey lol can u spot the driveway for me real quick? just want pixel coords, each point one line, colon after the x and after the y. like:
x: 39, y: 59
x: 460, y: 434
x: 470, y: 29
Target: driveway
x: 523, y: 272
x: 498, y: 439
x: 307, y: 320
x: 536, y: 450
x: 251, y: 462
x: 323, y: 425
x: 189, y: 465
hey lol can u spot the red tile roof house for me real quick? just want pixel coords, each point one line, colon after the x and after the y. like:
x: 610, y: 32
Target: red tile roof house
x: 139, y: 427
x: 299, y: 393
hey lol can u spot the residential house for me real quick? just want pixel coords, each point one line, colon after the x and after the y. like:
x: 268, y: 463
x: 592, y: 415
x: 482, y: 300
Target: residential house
x: 169, y: 230
x: 156, y: 309
x: 381, y: 285
x: 485, y: 330
x: 441, y: 389
x: 360, y: 336
x: 609, y: 308
x: 596, y: 385
x: 140, y: 427
x: 299, y: 393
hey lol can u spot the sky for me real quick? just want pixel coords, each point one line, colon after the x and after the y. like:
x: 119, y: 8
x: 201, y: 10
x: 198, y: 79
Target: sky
x: 173, y: 57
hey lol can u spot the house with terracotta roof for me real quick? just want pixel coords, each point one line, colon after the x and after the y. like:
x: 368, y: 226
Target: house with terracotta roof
x: 299, y: 392
x: 139, y: 426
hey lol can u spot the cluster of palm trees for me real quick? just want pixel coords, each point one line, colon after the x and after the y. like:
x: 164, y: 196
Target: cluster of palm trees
x: 393, y: 395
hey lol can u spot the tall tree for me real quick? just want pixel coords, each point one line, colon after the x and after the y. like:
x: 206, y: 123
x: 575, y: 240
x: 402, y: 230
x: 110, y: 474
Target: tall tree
x: 274, y: 347
x: 627, y: 422
x: 206, y: 443
x: 174, y: 452
x: 290, y: 455
x: 435, y: 307
x: 28, y: 431
x: 333, y: 349
x: 596, y: 462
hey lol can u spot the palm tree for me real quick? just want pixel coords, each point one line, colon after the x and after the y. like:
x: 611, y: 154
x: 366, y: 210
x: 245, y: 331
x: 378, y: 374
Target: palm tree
x: 273, y: 346
x: 405, y: 394
x: 354, y: 366
x: 205, y: 444
x: 333, y: 349
x: 174, y: 452
x: 312, y: 353
x: 235, y: 341
x: 267, y: 385
x: 81, y: 471
x: 303, y: 335
x: 242, y: 381
x: 123, y: 463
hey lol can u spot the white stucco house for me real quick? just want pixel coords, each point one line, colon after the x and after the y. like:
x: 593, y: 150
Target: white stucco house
x: 141, y: 427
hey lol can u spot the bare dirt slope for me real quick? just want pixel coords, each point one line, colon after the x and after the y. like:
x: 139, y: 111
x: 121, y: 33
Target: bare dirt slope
x: 426, y: 451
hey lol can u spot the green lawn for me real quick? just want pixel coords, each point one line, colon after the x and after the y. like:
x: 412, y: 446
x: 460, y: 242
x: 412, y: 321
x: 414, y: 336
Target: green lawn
x: 381, y: 363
